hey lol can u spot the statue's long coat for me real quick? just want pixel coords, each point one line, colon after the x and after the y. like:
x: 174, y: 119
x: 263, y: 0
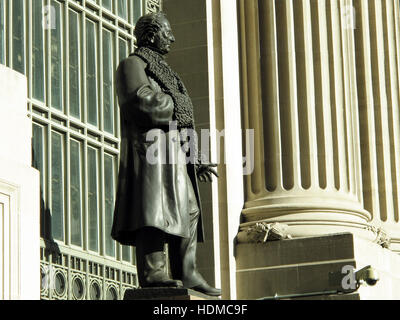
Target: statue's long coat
x: 149, y: 194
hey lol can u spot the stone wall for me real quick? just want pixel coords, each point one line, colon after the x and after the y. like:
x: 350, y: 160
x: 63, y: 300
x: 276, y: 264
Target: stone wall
x: 19, y: 193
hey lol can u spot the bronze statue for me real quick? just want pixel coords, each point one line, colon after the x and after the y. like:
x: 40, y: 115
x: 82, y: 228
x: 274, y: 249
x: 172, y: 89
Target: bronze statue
x: 158, y: 202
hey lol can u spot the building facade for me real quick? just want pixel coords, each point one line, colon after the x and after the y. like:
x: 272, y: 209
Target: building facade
x: 68, y: 50
x: 318, y: 82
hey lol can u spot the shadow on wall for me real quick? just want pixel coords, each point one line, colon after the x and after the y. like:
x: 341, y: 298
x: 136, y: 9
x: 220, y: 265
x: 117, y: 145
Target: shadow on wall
x: 51, y: 247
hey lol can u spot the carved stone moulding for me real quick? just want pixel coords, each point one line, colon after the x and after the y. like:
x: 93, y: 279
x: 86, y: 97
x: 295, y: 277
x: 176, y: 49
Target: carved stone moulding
x: 153, y: 6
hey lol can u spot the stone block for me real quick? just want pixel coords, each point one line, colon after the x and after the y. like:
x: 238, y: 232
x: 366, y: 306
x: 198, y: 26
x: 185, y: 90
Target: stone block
x: 15, y: 126
x: 19, y: 194
x: 313, y: 265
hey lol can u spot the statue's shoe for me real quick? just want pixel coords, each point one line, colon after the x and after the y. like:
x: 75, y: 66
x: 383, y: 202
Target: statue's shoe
x: 205, y: 288
x: 170, y: 283
x: 161, y: 279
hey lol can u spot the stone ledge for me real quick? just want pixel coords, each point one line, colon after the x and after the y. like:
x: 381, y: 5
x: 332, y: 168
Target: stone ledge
x: 350, y: 296
x: 163, y: 293
x: 295, y: 251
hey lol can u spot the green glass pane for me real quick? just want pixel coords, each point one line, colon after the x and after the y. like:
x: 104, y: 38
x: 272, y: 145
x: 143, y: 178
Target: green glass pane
x: 37, y: 150
x: 108, y: 4
x: 91, y: 73
x: 134, y: 256
x: 109, y: 203
x: 75, y: 193
x: 2, y: 34
x: 57, y: 187
x: 122, y: 50
x: 122, y: 9
x: 108, y: 70
x: 37, y: 51
x: 137, y: 10
x: 93, y: 199
x: 126, y: 253
x: 18, y: 39
x: 56, y: 60
x: 74, y: 68
x: 38, y: 163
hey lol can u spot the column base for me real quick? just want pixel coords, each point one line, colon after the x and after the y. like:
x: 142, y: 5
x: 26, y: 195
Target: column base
x: 311, y: 216
x: 309, y: 222
x: 311, y: 268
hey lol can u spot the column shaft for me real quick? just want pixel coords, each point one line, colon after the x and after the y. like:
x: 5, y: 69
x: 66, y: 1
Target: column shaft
x: 377, y: 55
x: 300, y: 95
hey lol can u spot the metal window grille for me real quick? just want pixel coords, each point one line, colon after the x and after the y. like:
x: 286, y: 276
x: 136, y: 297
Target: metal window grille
x: 69, y: 50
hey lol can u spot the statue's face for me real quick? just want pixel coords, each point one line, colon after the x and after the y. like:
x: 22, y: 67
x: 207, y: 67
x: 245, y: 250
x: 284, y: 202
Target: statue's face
x: 163, y: 38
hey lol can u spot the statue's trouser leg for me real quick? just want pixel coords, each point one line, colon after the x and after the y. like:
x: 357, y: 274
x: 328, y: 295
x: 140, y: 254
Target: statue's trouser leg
x: 151, y: 260
x: 182, y: 251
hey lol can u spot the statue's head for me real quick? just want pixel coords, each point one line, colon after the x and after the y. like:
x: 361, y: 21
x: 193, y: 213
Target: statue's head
x: 154, y: 31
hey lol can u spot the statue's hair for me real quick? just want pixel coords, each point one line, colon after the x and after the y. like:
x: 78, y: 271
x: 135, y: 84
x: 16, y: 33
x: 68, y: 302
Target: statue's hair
x: 147, y: 26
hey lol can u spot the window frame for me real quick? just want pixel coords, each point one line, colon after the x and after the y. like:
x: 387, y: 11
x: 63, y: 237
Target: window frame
x: 51, y: 119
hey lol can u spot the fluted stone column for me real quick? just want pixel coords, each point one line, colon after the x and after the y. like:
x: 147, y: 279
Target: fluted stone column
x: 320, y: 88
x: 300, y: 97
x: 377, y: 47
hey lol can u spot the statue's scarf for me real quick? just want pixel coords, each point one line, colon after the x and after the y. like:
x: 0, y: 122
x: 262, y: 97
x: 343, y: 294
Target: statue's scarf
x: 171, y: 83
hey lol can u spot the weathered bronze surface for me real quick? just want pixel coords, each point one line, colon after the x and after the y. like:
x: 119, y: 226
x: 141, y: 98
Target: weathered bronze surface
x: 158, y: 198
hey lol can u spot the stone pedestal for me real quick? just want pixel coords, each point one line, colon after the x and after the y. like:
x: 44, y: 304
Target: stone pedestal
x: 165, y: 294
x: 311, y: 268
